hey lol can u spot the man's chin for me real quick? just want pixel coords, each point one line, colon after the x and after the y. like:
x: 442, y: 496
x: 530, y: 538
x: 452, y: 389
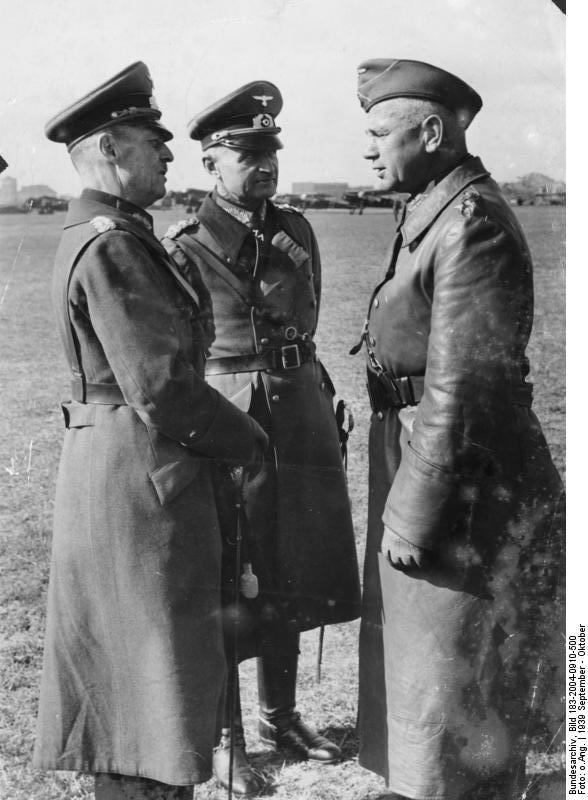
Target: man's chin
x: 385, y: 184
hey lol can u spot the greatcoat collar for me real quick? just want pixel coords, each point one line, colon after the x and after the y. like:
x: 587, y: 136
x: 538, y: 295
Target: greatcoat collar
x: 427, y: 207
x: 228, y: 232
x: 93, y: 203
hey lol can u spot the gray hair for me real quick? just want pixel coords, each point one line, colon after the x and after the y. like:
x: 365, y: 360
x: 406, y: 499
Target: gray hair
x: 413, y: 111
x: 87, y: 147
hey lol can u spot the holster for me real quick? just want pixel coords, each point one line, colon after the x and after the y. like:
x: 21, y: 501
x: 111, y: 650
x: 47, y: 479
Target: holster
x: 386, y: 391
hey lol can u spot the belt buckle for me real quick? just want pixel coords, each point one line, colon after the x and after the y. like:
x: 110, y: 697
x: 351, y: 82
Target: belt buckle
x: 290, y: 356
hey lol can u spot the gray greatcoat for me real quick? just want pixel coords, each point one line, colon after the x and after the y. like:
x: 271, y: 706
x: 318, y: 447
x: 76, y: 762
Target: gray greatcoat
x: 134, y: 666
x: 301, y: 538
x: 455, y: 659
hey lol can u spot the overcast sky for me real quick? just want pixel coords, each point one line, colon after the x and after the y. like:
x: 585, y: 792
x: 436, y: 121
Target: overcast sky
x: 510, y: 51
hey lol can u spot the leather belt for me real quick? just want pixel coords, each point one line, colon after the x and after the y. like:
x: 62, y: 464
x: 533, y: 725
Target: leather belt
x: 290, y: 356
x: 386, y: 391
x: 107, y: 394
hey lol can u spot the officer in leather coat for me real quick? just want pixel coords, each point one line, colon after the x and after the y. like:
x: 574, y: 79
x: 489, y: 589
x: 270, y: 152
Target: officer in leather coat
x: 260, y: 265
x: 459, y: 635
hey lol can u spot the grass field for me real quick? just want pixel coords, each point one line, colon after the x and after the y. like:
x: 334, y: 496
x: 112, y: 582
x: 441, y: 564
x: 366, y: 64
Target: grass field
x: 34, y: 378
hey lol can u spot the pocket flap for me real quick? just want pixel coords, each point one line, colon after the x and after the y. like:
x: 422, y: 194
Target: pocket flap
x: 78, y: 415
x: 170, y: 479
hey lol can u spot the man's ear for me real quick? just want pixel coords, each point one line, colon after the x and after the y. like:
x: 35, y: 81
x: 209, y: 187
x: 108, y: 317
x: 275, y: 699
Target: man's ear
x: 432, y: 133
x: 209, y: 165
x: 109, y: 147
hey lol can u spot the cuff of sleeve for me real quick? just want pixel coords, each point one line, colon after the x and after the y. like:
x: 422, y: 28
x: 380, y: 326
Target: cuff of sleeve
x: 230, y: 437
x: 416, y: 508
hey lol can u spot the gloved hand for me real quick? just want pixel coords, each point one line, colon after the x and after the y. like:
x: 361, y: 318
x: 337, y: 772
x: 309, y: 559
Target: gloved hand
x: 402, y: 554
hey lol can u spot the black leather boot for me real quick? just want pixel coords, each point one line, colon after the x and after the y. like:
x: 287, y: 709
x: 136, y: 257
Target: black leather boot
x: 245, y: 781
x: 290, y: 733
x: 280, y: 725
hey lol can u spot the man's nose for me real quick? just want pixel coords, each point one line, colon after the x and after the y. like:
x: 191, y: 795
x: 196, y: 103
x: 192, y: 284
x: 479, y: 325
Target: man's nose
x: 370, y: 150
x: 166, y: 154
x: 267, y: 163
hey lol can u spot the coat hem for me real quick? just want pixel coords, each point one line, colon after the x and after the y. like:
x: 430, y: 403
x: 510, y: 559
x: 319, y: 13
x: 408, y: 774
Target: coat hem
x: 93, y: 768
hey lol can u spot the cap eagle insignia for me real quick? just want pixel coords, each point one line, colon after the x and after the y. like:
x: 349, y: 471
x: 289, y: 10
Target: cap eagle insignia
x: 263, y: 98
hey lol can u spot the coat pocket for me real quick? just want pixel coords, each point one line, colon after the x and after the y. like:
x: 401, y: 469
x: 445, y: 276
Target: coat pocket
x: 170, y: 479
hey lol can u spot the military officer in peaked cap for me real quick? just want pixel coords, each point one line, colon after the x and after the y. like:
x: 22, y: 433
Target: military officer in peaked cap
x: 260, y: 263
x: 458, y: 642
x: 133, y: 665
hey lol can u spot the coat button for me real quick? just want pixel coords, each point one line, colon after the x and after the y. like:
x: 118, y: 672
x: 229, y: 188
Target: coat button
x: 275, y: 397
x: 376, y: 302
x: 264, y: 341
x: 380, y: 415
x: 322, y: 384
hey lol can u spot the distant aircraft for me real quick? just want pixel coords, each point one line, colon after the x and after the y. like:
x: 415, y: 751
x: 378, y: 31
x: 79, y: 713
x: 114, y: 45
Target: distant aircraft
x: 367, y: 199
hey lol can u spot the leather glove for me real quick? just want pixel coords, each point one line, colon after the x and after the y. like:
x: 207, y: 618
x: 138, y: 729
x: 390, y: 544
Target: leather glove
x: 402, y: 554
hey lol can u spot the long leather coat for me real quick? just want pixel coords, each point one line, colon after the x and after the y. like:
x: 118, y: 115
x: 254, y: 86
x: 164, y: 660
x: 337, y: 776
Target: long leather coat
x: 134, y: 666
x: 265, y: 295
x: 455, y: 658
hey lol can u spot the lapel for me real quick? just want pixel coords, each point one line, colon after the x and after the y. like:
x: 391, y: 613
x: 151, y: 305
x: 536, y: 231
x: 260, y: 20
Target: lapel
x: 196, y: 250
x: 430, y: 206
x: 218, y: 242
x: 227, y: 234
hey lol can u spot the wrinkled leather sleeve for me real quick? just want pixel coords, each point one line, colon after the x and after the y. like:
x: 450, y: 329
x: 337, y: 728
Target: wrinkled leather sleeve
x: 461, y: 429
x: 131, y: 310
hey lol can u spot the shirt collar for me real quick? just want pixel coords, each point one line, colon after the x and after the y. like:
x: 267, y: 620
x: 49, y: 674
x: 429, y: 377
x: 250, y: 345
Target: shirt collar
x: 130, y: 209
x: 426, y: 207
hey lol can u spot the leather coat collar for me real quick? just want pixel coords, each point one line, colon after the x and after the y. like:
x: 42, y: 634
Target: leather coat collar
x: 428, y: 206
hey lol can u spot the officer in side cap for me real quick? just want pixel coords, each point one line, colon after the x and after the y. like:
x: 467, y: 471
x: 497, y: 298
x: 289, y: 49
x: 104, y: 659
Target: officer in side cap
x: 133, y: 666
x: 260, y: 263
x: 458, y: 642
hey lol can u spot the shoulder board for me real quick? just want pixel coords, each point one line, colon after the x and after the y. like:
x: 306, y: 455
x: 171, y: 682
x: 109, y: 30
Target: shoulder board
x: 471, y: 204
x: 175, y: 230
x: 288, y: 207
x: 103, y: 224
